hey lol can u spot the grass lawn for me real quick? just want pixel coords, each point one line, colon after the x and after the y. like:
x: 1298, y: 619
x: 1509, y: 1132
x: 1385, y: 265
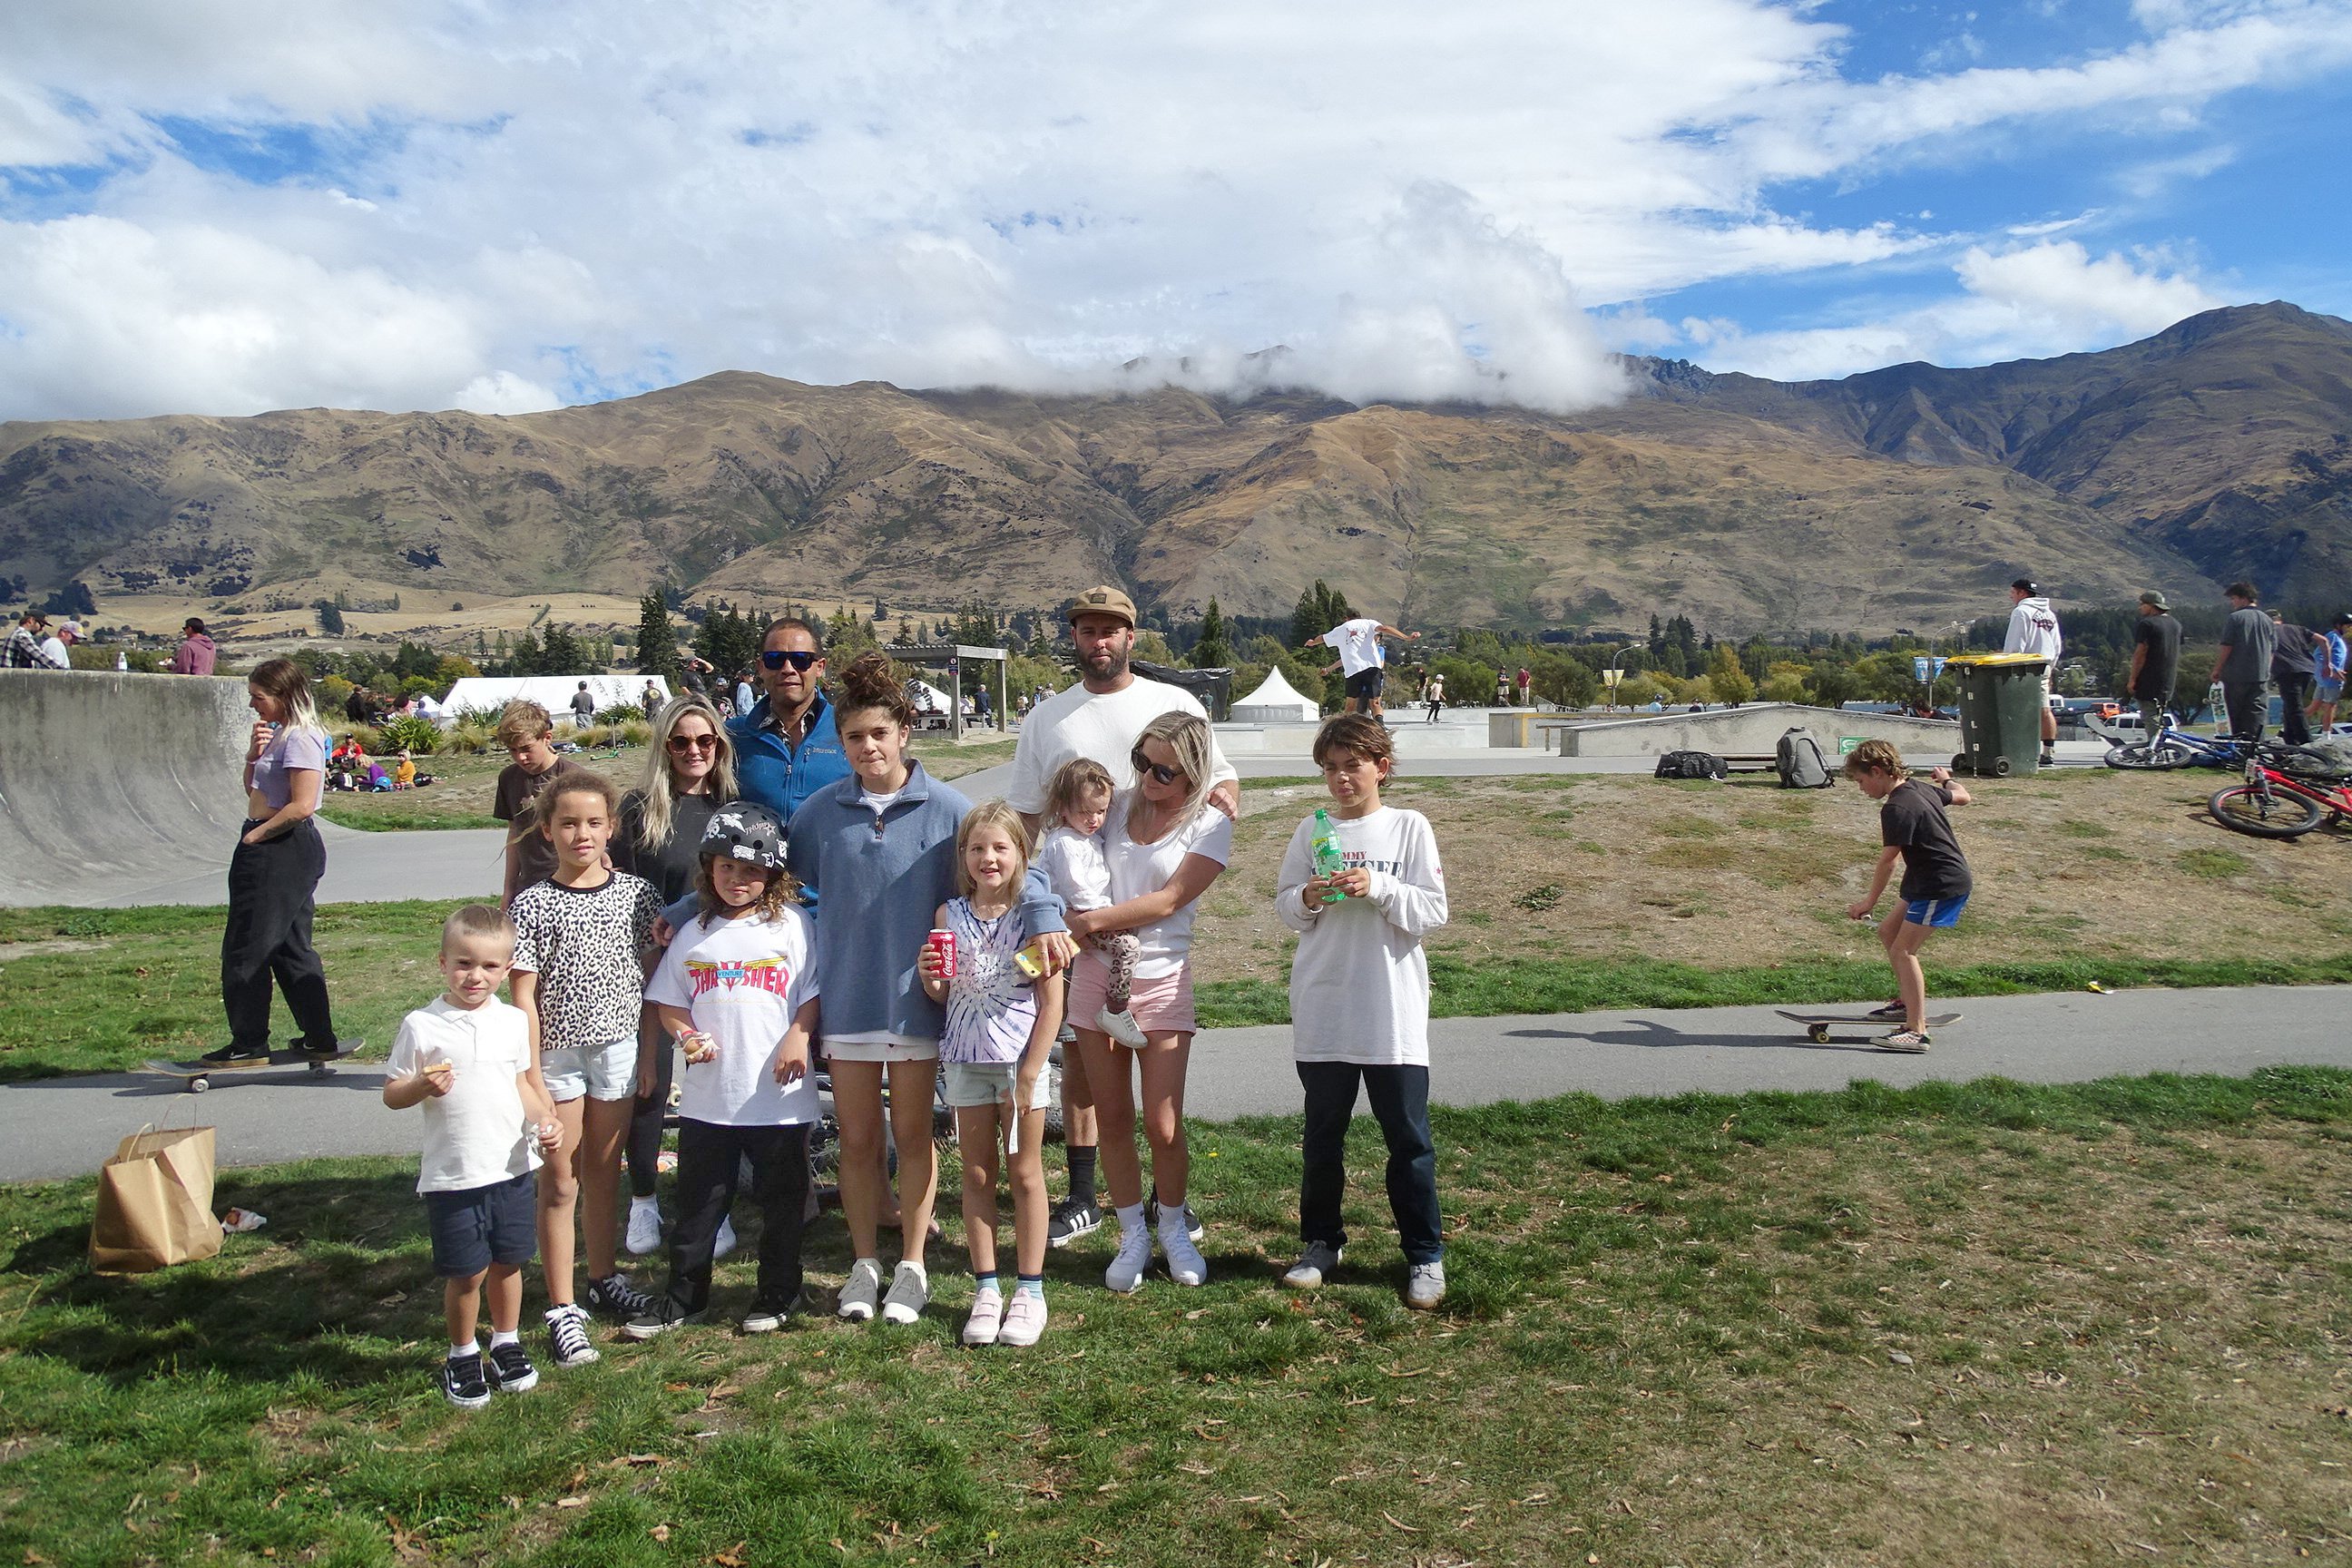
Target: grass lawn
x: 1947, y: 1326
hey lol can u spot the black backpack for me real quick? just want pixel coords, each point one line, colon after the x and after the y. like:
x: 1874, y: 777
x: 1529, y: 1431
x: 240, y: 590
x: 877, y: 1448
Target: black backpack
x: 1690, y: 765
x: 1799, y: 758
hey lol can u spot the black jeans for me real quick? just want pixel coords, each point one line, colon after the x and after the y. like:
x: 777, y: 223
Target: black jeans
x: 709, y: 1160
x: 643, y: 1147
x: 1400, y: 1097
x: 2248, y: 704
x: 2295, y: 695
x: 270, y: 886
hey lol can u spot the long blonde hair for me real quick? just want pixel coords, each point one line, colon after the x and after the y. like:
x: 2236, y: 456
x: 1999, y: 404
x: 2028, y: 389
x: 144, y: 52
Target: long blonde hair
x: 656, y: 793
x: 991, y: 813
x: 1187, y: 735
x: 288, y: 685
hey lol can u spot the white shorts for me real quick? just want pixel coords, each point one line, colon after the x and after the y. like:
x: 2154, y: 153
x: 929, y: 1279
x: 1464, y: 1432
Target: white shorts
x: 991, y: 1083
x: 881, y: 1050
x: 600, y: 1072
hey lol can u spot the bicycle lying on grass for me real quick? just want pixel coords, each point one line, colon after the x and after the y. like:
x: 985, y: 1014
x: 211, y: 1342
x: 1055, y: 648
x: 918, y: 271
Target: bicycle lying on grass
x: 2272, y: 804
x: 2171, y: 747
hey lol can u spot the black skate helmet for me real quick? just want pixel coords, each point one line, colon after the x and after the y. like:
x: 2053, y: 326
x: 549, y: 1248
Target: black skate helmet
x: 744, y: 831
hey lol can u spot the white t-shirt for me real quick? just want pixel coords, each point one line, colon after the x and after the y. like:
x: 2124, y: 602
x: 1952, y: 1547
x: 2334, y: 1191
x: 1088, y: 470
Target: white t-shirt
x: 477, y: 1134
x: 1074, y: 863
x: 741, y: 980
x: 878, y: 803
x: 2034, y: 628
x: 1358, y: 642
x: 1139, y: 869
x: 1101, y: 725
x: 1359, y: 981
x: 54, y: 651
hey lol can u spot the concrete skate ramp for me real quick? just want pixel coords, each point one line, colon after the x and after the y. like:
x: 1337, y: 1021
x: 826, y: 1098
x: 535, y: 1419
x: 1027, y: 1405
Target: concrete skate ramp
x: 114, y: 784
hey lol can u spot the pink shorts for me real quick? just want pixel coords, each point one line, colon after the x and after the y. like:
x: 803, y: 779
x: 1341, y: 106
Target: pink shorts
x: 1161, y: 1006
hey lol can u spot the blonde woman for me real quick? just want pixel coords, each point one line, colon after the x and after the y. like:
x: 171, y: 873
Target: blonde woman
x: 273, y: 876
x: 689, y: 774
x: 1164, y: 847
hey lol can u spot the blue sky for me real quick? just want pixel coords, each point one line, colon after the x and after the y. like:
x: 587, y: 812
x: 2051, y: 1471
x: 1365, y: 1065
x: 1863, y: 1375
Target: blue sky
x: 227, y: 206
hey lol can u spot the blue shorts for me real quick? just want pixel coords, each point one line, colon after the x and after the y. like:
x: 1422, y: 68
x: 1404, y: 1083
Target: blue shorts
x: 481, y: 1226
x: 1934, y: 913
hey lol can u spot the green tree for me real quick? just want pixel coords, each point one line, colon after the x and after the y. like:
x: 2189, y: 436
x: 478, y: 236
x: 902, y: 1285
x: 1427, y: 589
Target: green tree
x: 728, y: 640
x: 1213, y: 651
x: 1320, y: 609
x: 331, y: 617
x: 656, y: 641
x: 847, y: 636
x: 1725, y: 673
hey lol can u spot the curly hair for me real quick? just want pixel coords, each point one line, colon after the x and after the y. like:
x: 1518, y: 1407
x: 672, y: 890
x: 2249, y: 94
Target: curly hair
x: 783, y: 891
x: 871, y: 681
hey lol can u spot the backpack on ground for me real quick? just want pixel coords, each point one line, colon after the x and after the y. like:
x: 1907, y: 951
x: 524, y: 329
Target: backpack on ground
x: 1799, y: 758
x: 1690, y: 765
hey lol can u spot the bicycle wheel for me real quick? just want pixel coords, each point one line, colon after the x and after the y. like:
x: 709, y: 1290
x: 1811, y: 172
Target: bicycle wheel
x: 2266, y: 813
x: 2150, y: 755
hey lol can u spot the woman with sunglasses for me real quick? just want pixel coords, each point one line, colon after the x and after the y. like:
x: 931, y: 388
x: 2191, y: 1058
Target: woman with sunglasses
x: 1164, y: 850
x: 689, y: 774
x: 877, y: 854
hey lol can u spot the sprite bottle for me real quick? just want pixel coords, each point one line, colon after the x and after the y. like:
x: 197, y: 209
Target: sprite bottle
x: 1329, y: 862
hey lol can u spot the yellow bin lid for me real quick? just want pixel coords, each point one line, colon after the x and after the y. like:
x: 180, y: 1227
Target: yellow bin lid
x: 1998, y: 660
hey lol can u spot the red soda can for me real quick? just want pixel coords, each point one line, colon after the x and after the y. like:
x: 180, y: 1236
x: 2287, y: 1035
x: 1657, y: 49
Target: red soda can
x: 943, y: 941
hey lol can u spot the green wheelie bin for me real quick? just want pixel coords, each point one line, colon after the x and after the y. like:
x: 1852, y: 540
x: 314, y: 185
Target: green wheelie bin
x: 2001, y: 713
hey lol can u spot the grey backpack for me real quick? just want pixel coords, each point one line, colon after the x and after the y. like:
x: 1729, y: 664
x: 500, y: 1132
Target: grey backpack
x: 1800, y: 762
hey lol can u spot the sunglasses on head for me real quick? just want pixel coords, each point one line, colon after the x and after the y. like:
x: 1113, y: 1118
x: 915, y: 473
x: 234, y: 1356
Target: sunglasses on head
x: 693, y: 743
x: 1144, y: 765
x: 798, y: 658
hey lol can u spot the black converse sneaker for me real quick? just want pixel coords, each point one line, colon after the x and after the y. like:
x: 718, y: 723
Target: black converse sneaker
x: 615, y: 1297
x: 510, y: 1369
x: 461, y: 1381
x: 567, y: 1335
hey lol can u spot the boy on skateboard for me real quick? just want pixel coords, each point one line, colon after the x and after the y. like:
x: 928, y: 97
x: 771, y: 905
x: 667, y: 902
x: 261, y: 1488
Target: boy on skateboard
x: 465, y: 1057
x: 1935, y: 878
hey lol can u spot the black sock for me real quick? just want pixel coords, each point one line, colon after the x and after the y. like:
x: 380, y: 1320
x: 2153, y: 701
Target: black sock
x: 1082, y: 1172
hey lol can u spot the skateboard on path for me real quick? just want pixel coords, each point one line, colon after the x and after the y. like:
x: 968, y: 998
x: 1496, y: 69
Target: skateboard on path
x: 1822, y: 1027
x: 199, y: 1075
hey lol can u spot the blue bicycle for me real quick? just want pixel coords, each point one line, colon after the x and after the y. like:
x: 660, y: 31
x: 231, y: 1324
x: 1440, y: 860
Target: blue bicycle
x: 2171, y: 747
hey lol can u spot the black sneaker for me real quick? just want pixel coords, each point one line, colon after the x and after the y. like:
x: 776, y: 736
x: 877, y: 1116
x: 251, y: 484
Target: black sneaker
x: 658, y: 1319
x: 461, y: 1381
x: 510, y: 1371
x: 765, y: 1318
x: 1893, y: 1012
x: 231, y: 1056
x: 1192, y: 1221
x: 568, y: 1337
x: 615, y: 1297
x: 1073, y: 1217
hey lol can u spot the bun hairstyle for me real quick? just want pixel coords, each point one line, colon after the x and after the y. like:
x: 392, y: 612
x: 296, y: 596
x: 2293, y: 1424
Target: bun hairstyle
x: 871, y: 681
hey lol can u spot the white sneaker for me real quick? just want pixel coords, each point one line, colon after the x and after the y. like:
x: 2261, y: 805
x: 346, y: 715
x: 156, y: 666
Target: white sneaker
x: 1024, y: 1320
x: 860, y: 1290
x: 987, y: 1318
x: 1125, y: 1271
x: 1121, y: 1027
x: 645, y: 1226
x: 1424, y: 1287
x: 910, y: 1292
x: 1185, y: 1264
x: 725, y: 1241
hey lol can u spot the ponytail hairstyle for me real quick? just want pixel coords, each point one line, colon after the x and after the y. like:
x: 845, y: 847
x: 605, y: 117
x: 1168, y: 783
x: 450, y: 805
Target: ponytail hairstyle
x: 284, y: 682
x: 656, y: 793
x: 870, y: 682
x: 1186, y: 735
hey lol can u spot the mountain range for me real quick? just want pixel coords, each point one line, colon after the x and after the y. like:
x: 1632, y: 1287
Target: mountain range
x: 1903, y: 497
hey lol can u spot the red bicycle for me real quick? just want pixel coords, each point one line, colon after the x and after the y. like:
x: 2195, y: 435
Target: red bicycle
x: 2272, y: 805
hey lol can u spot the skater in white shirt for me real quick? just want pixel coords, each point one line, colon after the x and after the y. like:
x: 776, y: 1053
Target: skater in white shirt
x: 1360, y: 1003
x: 2034, y: 628
x: 1358, y: 642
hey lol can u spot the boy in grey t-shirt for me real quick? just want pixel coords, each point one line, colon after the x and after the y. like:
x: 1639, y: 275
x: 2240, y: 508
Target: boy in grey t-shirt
x: 2244, y: 666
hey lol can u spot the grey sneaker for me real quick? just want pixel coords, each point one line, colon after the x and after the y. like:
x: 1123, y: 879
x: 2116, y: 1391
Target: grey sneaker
x: 1315, y: 1264
x: 910, y: 1292
x: 1424, y: 1287
x: 860, y: 1290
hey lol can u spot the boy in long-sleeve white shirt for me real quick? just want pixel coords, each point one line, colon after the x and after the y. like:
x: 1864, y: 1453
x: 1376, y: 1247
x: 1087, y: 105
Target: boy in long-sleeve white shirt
x: 1360, y: 1003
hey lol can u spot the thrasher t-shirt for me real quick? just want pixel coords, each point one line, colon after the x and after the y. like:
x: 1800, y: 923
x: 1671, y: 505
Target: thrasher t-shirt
x: 1912, y: 817
x: 741, y: 980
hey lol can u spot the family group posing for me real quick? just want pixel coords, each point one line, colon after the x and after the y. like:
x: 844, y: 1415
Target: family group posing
x: 791, y: 882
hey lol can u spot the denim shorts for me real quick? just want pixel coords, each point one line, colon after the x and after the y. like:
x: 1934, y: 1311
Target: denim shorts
x: 600, y: 1072
x: 481, y: 1226
x: 990, y: 1083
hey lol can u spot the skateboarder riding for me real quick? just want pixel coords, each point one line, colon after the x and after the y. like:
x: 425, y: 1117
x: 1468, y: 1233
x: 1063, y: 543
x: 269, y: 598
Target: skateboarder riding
x: 1935, y: 878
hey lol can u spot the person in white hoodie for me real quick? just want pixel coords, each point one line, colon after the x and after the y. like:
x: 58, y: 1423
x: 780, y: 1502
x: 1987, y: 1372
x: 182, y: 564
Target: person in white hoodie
x: 1359, y: 1003
x: 2034, y: 628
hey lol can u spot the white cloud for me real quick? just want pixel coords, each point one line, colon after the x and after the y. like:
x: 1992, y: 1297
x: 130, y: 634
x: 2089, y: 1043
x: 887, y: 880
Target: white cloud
x: 495, y: 211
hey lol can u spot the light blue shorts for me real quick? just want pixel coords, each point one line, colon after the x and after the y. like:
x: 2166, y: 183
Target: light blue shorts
x: 600, y: 1072
x: 990, y: 1083
x: 1934, y: 913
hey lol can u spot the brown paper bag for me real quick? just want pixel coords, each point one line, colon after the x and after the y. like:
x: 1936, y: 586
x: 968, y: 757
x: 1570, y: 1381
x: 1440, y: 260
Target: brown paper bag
x: 155, y: 1202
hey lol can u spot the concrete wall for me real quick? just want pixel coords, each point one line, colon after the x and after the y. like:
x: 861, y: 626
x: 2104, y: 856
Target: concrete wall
x: 111, y: 783
x: 1754, y: 728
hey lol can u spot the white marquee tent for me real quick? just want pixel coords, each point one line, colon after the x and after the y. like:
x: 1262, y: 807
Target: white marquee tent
x: 1273, y: 702
x: 552, y: 692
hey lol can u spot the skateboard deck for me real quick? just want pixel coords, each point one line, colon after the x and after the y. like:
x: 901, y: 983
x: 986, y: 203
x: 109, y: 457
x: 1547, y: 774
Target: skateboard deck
x: 199, y: 1075
x: 1822, y: 1027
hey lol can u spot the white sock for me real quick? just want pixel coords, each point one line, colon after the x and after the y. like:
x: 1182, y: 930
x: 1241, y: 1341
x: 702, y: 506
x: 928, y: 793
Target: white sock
x: 919, y: 1273
x: 1131, y: 1218
x: 457, y: 1352
x: 1173, y: 1221
x: 873, y: 1263
x: 504, y: 1337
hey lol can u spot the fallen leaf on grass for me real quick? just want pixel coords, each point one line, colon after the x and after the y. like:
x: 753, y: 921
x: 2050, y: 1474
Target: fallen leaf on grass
x: 660, y: 1532
x: 571, y: 1502
x: 1401, y: 1524
x: 731, y: 1558
x: 636, y: 1461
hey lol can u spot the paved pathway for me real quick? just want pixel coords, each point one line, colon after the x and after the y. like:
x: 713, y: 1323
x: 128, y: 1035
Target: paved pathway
x: 60, y: 1127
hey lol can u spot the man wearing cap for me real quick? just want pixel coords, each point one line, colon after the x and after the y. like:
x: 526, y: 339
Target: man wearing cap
x: 2243, y: 668
x: 58, y: 652
x: 25, y: 644
x: 2327, y: 662
x: 2154, y: 661
x: 2034, y: 628
x: 196, y: 655
x: 1099, y: 718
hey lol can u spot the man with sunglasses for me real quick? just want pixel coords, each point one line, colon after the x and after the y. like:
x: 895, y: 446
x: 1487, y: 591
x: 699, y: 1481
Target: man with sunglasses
x: 1099, y: 717
x: 786, y: 747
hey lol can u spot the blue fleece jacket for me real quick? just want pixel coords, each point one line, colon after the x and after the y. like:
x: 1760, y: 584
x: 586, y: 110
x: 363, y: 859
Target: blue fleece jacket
x: 875, y: 889
x: 782, y: 777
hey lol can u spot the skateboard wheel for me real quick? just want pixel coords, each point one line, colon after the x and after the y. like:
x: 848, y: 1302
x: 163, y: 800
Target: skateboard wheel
x: 198, y: 1085
x: 321, y: 1069
x: 1820, y: 1034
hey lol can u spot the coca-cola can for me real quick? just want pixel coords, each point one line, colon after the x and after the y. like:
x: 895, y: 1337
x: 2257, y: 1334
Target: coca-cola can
x: 943, y: 941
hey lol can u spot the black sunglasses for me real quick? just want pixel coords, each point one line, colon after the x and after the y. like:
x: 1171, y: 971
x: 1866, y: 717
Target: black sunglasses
x: 1144, y: 765
x: 798, y: 658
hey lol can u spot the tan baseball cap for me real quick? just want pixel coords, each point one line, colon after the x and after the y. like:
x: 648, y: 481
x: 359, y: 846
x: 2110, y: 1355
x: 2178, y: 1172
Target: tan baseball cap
x: 1104, y: 600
